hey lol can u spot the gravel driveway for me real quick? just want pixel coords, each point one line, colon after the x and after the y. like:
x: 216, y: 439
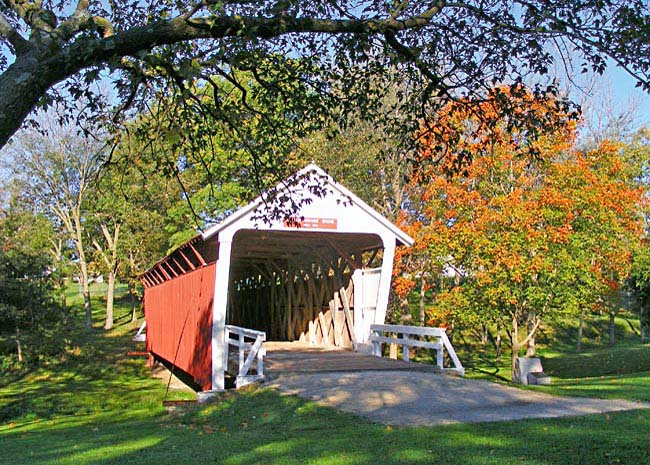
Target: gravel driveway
x: 412, y: 398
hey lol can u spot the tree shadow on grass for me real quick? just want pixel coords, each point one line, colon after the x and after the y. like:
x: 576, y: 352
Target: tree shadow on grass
x: 261, y: 426
x: 607, y: 361
x: 95, y: 375
x: 81, y: 389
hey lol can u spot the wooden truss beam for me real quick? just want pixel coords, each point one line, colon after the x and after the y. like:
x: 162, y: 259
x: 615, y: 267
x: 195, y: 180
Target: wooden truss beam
x: 187, y: 260
x: 198, y: 255
x: 346, y: 256
x: 171, y: 269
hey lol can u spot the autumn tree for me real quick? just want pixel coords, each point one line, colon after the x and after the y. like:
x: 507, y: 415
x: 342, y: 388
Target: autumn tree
x: 637, y: 155
x: 606, y: 224
x: 57, y: 51
x: 527, y: 233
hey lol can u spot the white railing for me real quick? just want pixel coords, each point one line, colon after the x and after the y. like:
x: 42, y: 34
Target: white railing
x: 250, y: 348
x: 141, y: 336
x: 442, y: 342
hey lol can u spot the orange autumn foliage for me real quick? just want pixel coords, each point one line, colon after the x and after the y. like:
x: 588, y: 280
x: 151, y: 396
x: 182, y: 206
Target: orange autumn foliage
x: 532, y: 225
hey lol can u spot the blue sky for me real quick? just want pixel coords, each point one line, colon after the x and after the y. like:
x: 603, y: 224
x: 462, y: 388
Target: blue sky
x: 623, y: 87
x: 615, y: 88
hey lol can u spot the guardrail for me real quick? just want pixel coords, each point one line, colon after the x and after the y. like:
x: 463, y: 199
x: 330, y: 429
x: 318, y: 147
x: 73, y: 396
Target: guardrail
x: 442, y: 342
x: 141, y: 336
x: 250, y: 349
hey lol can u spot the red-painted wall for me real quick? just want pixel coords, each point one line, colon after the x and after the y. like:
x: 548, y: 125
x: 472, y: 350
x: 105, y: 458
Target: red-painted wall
x: 179, y: 322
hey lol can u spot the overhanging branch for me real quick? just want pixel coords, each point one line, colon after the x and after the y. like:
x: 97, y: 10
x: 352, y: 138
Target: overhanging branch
x: 17, y: 41
x: 37, y: 17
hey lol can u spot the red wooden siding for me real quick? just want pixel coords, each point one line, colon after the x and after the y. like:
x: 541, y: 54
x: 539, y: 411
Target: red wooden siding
x: 179, y: 322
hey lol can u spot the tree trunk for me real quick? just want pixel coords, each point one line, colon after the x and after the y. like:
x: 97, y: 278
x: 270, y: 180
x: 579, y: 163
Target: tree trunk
x: 513, y: 361
x: 515, y: 347
x: 484, y: 335
x: 581, y: 325
x: 110, y: 294
x: 64, y: 302
x: 57, y: 253
x: 19, y: 347
x: 423, y: 283
x: 498, y: 351
x: 404, y: 310
x: 530, y: 346
x: 109, y: 256
x: 134, y: 316
x: 85, y: 286
x: 77, y: 233
x: 644, y: 320
x: 612, y: 328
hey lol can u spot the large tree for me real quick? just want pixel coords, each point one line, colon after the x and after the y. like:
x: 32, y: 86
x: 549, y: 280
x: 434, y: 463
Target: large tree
x: 533, y: 237
x: 637, y: 154
x: 57, y: 174
x: 159, y: 46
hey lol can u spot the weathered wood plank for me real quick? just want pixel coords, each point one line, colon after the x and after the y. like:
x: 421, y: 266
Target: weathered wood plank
x: 415, y: 330
x: 408, y: 342
x: 335, y: 325
x: 348, y: 315
x: 324, y: 329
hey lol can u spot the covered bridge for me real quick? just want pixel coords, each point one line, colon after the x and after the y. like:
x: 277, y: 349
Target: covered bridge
x: 323, y: 279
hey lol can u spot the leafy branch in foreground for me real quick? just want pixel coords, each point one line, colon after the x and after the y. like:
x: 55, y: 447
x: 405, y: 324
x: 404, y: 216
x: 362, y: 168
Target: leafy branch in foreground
x: 56, y: 50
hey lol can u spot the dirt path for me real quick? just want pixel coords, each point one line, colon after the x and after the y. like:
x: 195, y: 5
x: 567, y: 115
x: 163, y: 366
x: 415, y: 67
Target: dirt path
x: 418, y: 397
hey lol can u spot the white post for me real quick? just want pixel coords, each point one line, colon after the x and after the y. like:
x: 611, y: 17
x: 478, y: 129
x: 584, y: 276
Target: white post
x: 405, y: 347
x: 360, y: 335
x: 260, y: 360
x: 219, y: 344
x: 384, y: 280
x: 242, y: 354
x: 440, y: 355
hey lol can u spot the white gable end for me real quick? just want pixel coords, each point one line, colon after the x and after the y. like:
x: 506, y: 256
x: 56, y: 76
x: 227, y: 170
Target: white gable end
x: 338, y: 210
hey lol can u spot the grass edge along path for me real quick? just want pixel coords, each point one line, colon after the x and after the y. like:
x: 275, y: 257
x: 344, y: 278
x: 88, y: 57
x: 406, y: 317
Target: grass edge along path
x: 260, y: 426
x: 97, y: 407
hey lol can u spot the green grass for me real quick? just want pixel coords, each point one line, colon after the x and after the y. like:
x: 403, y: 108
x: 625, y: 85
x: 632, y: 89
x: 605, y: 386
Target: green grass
x: 96, y: 406
x: 259, y: 426
x: 620, y: 372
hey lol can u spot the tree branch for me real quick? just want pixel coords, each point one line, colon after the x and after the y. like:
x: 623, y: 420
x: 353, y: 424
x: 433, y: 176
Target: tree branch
x: 18, y: 42
x: 37, y: 17
x: 532, y: 332
x: 81, y: 20
x: 562, y: 29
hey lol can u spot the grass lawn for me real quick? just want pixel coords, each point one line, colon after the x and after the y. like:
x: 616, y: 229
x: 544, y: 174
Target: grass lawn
x: 96, y: 406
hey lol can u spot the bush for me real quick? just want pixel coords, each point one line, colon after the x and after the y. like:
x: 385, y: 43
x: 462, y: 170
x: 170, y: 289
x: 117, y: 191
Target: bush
x: 28, y: 310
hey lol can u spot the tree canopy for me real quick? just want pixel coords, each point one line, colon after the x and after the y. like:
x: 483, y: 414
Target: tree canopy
x: 530, y: 238
x: 59, y: 50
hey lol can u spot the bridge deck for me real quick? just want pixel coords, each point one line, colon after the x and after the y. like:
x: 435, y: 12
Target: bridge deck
x: 292, y: 357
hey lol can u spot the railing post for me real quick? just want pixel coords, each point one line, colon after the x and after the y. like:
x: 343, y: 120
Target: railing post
x: 440, y: 354
x: 405, y: 347
x: 242, y: 355
x: 248, y: 353
x: 452, y: 354
x: 260, y: 360
x: 226, y: 351
x: 401, y: 335
x: 376, y: 345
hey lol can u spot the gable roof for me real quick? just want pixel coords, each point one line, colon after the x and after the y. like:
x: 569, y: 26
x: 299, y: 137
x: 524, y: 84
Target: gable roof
x: 311, y: 170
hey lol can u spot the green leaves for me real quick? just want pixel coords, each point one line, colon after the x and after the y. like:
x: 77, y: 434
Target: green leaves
x: 544, y: 236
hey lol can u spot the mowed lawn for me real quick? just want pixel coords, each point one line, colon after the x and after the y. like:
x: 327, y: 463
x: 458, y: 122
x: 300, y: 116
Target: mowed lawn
x: 99, y: 406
